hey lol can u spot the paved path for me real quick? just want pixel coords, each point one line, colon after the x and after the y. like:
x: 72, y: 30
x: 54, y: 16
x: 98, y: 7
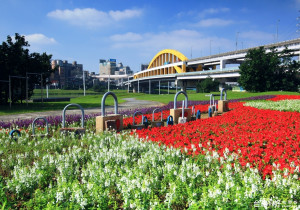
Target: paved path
x: 130, y: 103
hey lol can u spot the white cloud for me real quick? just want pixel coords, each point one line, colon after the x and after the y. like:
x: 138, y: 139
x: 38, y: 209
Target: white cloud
x: 126, y: 37
x: 39, y: 39
x: 202, y: 14
x: 126, y: 14
x: 213, y: 22
x: 91, y: 17
x: 215, y: 11
x: 148, y: 44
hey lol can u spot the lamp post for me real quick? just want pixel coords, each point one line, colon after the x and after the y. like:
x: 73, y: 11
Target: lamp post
x: 277, y: 30
x: 83, y: 78
x: 210, y: 47
x: 236, y: 40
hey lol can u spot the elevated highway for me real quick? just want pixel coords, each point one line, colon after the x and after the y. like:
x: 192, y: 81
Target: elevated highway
x: 172, y: 66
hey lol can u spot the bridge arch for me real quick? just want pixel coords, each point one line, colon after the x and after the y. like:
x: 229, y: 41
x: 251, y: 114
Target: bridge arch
x: 162, y: 58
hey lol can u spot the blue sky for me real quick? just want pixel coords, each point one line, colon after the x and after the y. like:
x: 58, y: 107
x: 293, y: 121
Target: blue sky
x: 133, y: 31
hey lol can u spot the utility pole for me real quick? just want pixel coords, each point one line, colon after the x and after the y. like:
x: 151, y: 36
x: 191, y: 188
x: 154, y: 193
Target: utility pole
x: 83, y: 78
x: 26, y: 89
x: 236, y: 40
x: 9, y: 92
x: 277, y: 30
x: 42, y: 88
x: 210, y: 47
x: 128, y: 83
x: 298, y: 24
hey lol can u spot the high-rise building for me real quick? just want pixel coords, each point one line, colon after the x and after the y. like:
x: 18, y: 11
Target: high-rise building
x: 66, y: 72
x: 144, y: 67
x: 107, y: 67
x: 110, y: 67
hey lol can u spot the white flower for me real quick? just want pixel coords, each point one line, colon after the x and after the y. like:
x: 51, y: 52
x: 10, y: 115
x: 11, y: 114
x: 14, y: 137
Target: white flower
x: 59, y: 196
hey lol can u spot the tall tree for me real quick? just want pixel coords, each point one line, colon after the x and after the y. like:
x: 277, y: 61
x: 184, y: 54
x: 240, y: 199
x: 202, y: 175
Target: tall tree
x: 274, y: 70
x: 288, y: 74
x: 15, y: 60
x: 257, y: 70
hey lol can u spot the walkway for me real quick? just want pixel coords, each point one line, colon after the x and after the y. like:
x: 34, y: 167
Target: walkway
x: 130, y: 103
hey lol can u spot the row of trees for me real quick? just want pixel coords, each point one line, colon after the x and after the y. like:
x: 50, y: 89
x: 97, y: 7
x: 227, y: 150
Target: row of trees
x: 15, y: 60
x: 270, y: 71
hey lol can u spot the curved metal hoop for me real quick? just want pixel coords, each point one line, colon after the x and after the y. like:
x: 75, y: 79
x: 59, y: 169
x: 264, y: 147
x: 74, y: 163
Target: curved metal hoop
x: 225, y: 96
x: 186, y: 99
x: 133, y: 123
x: 212, y: 100
x: 157, y: 109
x: 39, y: 118
x: 103, y: 102
x: 64, y: 114
x: 14, y: 131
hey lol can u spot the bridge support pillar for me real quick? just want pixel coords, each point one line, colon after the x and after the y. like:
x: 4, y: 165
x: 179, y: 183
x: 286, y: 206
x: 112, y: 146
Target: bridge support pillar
x: 158, y: 87
x: 182, y: 84
x: 222, y: 64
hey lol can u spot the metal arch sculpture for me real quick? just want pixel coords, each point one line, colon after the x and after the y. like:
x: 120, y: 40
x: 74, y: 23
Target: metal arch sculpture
x: 168, y: 51
x: 176, y: 55
x: 112, y: 121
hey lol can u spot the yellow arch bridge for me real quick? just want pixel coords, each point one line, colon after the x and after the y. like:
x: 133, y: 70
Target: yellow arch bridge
x: 167, y: 61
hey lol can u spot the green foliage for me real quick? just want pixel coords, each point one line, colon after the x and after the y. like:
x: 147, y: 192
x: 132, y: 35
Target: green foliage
x: 98, y: 87
x: 112, y: 171
x: 15, y: 60
x: 207, y: 85
x: 269, y: 71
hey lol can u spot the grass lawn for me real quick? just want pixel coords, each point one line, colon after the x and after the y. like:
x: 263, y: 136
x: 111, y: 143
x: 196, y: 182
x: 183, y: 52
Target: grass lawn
x: 90, y: 101
x: 62, y: 93
x: 193, y: 96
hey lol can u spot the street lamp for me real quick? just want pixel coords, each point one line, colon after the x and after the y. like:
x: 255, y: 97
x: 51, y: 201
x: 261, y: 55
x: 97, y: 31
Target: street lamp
x: 277, y: 30
x: 236, y: 40
x: 83, y: 77
x: 210, y: 47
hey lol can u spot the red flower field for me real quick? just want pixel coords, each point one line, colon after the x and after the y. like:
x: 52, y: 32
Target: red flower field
x: 261, y: 138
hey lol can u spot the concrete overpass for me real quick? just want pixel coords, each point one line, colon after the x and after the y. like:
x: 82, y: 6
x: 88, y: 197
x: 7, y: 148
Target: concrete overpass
x: 172, y: 66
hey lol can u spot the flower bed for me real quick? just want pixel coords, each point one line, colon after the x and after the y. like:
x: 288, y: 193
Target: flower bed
x: 120, y: 171
x: 56, y: 120
x: 284, y: 97
x: 265, y: 139
x: 245, y: 158
x: 280, y: 105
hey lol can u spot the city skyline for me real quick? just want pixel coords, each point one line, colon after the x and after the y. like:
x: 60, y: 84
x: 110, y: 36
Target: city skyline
x: 134, y: 31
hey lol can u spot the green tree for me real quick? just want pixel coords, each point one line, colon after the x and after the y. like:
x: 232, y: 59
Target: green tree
x: 274, y: 70
x: 15, y: 60
x: 287, y: 75
x: 257, y: 71
x: 207, y: 85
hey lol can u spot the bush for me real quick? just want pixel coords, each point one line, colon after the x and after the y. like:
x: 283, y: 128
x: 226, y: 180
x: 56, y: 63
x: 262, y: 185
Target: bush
x: 207, y: 85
